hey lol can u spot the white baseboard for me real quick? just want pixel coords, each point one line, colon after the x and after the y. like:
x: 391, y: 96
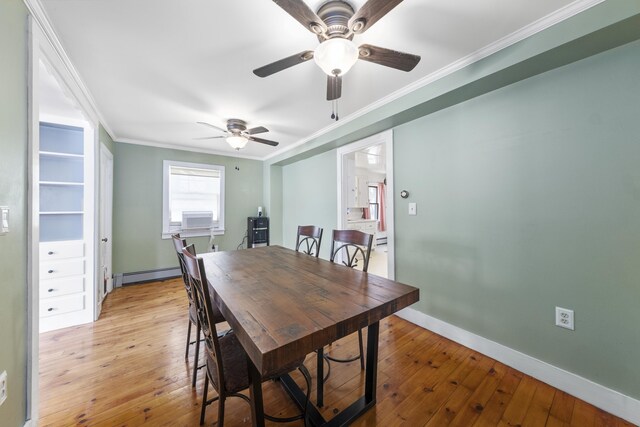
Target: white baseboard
x: 598, y: 395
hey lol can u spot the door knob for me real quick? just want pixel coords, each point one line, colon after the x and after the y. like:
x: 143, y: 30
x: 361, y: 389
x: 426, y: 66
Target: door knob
x: 105, y: 240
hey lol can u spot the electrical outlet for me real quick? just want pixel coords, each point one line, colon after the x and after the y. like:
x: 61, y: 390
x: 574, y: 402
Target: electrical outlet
x: 564, y: 318
x: 3, y: 387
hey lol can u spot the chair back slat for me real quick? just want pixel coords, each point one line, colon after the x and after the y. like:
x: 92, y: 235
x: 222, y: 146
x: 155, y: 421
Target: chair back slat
x: 206, y: 312
x: 178, y: 244
x: 352, y: 244
x: 308, y: 240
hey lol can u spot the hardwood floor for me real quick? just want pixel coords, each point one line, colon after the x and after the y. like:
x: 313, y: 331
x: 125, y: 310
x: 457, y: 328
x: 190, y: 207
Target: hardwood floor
x: 129, y: 369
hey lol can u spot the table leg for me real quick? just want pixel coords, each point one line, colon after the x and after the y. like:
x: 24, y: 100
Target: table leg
x: 255, y: 389
x: 357, y: 408
x: 372, y: 363
x: 320, y: 379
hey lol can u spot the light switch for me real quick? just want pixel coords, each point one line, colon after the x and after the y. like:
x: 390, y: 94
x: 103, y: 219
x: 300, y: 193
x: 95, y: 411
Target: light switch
x: 4, y: 225
x: 413, y: 209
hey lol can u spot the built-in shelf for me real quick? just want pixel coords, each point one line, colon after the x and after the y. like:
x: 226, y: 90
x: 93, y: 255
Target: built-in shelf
x: 65, y: 225
x: 62, y: 213
x: 65, y: 183
x: 56, y: 154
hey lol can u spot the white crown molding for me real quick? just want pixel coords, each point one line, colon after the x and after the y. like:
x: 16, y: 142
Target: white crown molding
x: 40, y: 17
x: 541, y: 24
x: 183, y: 148
x: 598, y: 395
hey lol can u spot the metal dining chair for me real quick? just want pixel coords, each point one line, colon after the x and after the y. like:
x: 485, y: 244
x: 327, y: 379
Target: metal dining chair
x: 227, y: 368
x: 353, y: 249
x: 179, y: 243
x: 308, y: 240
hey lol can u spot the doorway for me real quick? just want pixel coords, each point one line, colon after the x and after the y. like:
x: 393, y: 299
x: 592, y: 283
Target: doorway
x: 104, y: 284
x: 365, y: 196
x: 62, y: 215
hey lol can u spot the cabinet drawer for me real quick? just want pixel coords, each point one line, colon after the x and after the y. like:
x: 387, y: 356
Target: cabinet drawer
x: 370, y: 227
x: 63, y: 268
x: 58, y: 287
x: 61, y: 250
x: 61, y: 305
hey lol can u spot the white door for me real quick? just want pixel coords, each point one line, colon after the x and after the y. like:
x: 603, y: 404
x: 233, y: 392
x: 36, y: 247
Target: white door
x: 105, y: 276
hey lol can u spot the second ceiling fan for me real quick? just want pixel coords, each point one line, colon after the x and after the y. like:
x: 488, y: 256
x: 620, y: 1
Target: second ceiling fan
x: 335, y: 24
x: 237, y: 135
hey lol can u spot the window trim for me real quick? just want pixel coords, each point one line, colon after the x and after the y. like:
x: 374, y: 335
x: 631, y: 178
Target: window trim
x: 376, y: 203
x: 167, y: 228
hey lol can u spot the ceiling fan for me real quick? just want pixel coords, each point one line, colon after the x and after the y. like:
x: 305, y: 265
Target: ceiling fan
x: 335, y: 24
x: 237, y: 134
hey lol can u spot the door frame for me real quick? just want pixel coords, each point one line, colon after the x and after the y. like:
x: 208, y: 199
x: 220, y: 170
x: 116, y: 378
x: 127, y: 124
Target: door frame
x: 45, y: 46
x: 105, y: 225
x: 385, y: 138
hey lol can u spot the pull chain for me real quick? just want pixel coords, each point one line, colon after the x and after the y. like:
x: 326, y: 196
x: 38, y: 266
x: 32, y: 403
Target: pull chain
x: 334, y: 110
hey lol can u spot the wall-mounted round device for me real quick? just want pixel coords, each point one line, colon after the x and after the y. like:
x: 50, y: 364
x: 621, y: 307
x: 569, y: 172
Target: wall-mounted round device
x: 404, y: 194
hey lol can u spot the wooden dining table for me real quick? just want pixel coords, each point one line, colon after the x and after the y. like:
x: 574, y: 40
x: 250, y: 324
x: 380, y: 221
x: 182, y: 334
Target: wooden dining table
x: 283, y: 305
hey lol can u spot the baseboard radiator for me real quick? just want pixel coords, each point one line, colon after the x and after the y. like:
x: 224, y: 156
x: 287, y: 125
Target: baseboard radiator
x: 124, y: 279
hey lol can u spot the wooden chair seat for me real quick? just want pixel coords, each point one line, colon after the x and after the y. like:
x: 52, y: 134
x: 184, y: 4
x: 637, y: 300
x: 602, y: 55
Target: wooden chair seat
x: 234, y: 360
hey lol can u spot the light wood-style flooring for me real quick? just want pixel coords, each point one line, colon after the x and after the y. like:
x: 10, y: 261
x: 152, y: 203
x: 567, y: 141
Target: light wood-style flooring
x: 128, y: 369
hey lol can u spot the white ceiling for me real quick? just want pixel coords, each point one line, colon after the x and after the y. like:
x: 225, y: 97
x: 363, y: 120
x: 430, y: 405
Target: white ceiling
x: 156, y: 67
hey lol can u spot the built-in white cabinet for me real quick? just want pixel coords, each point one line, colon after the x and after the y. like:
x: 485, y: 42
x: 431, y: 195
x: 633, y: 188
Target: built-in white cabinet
x: 66, y: 225
x: 358, y: 187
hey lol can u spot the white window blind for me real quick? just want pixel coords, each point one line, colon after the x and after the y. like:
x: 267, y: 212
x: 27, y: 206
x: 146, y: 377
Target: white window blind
x: 192, y: 187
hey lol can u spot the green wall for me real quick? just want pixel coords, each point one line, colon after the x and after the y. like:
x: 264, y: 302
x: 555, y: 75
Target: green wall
x: 309, y: 198
x: 13, y: 193
x: 137, y: 205
x: 528, y: 197
x: 521, y: 165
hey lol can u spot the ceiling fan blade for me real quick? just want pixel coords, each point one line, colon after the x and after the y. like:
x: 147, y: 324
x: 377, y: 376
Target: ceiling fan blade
x: 257, y: 130
x: 370, y: 13
x: 334, y: 87
x: 211, y: 137
x: 263, y: 141
x: 212, y: 126
x: 299, y: 10
x: 388, y: 58
x: 283, y: 64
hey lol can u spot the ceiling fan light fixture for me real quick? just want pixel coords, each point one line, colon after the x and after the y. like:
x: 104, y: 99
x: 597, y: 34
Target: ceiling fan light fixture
x: 336, y: 56
x: 237, y: 141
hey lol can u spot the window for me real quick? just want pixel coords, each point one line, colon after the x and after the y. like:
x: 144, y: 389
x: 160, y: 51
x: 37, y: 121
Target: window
x: 197, y: 190
x: 373, y: 201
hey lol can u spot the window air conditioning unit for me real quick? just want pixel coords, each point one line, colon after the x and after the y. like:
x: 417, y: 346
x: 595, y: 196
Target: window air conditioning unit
x: 197, y: 220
